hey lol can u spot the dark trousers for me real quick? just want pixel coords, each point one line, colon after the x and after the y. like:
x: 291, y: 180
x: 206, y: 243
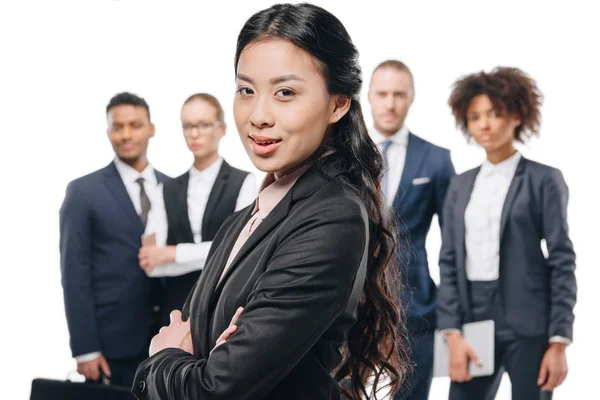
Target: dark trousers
x: 520, y: 357
x: 174, y: 294
x: 419, y: 383
x: 123, y: 370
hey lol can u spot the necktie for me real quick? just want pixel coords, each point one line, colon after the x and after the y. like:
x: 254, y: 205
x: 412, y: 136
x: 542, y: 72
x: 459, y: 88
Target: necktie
x: 144, y: 201
x: 384, y: 179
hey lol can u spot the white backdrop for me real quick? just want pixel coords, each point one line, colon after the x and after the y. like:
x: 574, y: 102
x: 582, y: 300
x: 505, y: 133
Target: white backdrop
x: 62, y: 61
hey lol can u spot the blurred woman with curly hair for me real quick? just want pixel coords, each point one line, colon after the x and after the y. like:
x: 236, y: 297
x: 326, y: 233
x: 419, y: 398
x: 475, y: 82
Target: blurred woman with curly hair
x: 493, y: 266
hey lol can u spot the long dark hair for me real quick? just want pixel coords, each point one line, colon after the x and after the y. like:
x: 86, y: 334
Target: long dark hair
x: 373, y: 346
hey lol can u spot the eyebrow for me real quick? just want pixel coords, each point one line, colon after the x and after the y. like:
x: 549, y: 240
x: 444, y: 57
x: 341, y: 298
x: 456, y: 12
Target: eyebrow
x: 273, y: 81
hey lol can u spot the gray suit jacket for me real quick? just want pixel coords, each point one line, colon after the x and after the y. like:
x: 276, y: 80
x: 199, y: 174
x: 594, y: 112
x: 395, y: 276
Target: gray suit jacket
x: 538, y: 293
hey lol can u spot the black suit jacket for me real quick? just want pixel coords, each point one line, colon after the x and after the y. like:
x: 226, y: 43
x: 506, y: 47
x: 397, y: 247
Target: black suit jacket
x: 299, y: 278
x: 538, y: 293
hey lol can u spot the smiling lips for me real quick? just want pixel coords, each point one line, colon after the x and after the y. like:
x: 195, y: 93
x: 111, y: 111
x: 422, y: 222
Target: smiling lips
x: 263, y: 145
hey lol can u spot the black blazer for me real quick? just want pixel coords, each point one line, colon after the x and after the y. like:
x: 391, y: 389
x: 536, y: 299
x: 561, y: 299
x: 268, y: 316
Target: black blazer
x: 299, y: 276
x: 538, y: 293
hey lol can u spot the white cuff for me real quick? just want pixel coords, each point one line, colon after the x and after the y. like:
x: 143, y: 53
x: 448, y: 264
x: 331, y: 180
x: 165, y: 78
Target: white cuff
x: 88, y: 357
x: 560, y: 339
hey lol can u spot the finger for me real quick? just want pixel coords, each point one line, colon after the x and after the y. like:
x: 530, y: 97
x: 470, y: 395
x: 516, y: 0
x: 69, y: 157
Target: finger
x: 471, y: 354
x: 552, y: 382
x: 93, y: 373
x: 162, y: 329
x: 226, y: 334
x: 561, y: 379
x: 104, y: 366
x: 543, y: 374
x: 175, y: 316
x: 237, y: 314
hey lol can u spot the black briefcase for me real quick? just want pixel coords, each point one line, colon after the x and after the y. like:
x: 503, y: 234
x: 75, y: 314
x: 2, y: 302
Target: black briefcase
x: 50, y: 389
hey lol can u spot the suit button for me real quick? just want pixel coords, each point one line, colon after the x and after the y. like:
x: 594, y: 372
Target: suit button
x: 142, y: 386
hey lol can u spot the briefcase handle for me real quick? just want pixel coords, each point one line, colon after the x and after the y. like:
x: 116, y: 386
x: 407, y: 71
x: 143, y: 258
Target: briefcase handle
x: 105, y: 379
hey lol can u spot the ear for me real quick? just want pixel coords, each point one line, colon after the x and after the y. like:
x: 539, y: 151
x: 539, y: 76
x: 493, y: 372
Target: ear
x: 341, y: 105
x: 152, y: 130
x: 223, y: 128
x: 516, y: 121
x: 369, y: 95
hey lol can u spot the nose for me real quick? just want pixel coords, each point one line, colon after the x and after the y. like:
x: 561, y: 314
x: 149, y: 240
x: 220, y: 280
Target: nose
x: 194, y: 132
x: 389, y: 102
x: 262, y: 114
x: 484, y: 123
x: 126, y: 133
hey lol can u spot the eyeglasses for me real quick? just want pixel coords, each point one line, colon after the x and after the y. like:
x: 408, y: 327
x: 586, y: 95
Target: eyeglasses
x: 204, y: 128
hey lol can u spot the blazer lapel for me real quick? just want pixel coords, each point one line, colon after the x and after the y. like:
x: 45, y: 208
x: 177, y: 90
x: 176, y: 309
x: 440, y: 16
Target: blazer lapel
x: 116, y: 187
x: 215, y: 194
x: 415, y: 156
x: 462, y: 200
x: 513, y: 191
x: 205, y: 288
x: 325, y: 170
x: 182, y: 196
x: 271, y: 221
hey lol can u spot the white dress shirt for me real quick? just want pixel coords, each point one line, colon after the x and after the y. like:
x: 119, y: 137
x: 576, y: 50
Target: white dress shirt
x: 192, y: 256
x: 482, y: 222
x: 129, y: 175
x: 482, y: 218
x: 395, y: 156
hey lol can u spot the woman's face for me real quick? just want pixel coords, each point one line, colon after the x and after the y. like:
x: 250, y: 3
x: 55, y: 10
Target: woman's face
x: 282, y: 108
x: 492, y: 129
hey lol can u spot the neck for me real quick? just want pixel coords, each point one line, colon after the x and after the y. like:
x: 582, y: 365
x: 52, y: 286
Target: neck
x: 387, y: 133
x: 201, y: 163
x: 501, y: 154
x: 138, y: 164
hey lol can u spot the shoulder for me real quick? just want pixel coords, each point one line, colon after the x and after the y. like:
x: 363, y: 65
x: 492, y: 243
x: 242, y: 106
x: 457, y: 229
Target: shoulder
x: 162, y: 176
x: 172, y: 182
x: 233, y: 171
x: 430, y: 146
x: 541, y: 169
x: 464, y: 178
x: 336, y: 199
x: 86, y: 182
x: 437, y: 156
x: 543, y: 174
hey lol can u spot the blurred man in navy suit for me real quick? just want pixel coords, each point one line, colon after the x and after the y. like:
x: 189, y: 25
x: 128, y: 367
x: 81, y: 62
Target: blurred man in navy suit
x: 414, y: 187
x: 107, y: 295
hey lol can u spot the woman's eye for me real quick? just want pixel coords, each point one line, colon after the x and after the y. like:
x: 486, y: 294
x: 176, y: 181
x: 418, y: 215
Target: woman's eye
x: 285, y: 93
x: 245, y: 91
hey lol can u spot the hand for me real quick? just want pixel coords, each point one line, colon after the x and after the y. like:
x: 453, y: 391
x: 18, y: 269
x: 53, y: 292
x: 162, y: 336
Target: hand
x: 230, y: 329
x: 153, y: 256
x: 91, y: 369
x: 460, y: 354
x: 553, y: 370
x: 177, y: 335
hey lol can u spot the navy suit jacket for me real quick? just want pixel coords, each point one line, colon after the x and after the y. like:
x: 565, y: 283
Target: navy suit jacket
x: 414, y: 205
x: 538, y: 292
x: 106, y: 293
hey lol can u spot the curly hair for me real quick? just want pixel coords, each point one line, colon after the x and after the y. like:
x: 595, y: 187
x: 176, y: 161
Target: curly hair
x: 510, y: 90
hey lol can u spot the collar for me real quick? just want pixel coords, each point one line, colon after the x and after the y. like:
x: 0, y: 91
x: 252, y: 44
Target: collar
x: 208, y: 174
x: 399, y: 138
x: 505, y: 168
x: 273, y: 190
x: 130, y: 175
